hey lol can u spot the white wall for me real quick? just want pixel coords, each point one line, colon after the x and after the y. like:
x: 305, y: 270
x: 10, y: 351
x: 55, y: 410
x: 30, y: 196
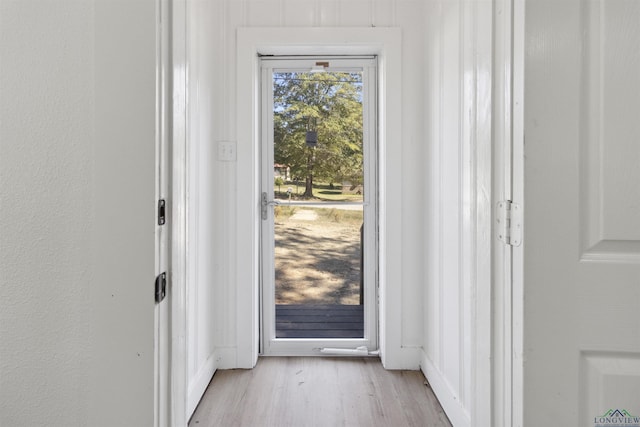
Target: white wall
x: 77, y: 203
x: 213, y: 89
x: 456, y: 251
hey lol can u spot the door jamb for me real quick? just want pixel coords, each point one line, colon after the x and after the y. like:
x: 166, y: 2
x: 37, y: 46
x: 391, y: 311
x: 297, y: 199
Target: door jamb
x: 162, y: 340
x: 176, y: 21
x: 517, y: 176
x: 508, y: 135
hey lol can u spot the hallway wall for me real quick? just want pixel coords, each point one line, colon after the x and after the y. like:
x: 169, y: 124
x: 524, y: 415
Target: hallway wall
x: 213, y: 98
x: 457, y: 236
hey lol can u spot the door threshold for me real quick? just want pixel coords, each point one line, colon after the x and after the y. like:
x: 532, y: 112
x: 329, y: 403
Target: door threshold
x: 358, y: 351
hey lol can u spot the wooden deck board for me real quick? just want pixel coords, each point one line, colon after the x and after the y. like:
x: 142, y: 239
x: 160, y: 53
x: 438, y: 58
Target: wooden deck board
x: 319, y: 321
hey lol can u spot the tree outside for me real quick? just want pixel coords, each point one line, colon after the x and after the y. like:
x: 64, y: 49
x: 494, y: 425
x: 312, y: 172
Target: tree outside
x: 332, y: 102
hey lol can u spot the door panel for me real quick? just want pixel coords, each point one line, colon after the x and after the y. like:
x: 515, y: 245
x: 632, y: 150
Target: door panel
x: 610, y: 128
x: 582, y: 212
x: 610, y: 215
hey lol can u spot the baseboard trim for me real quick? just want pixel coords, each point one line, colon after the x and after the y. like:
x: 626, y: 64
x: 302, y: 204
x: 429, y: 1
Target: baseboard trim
x: 447, y: 397
x: 401, y: 358
x: 227, y: 358
x: 199, y: 383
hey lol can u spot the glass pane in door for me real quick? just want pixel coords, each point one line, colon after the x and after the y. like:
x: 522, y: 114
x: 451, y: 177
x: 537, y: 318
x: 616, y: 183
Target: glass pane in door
x: 318, y: 217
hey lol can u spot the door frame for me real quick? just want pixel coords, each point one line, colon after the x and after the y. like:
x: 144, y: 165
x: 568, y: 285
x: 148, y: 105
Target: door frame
x: 163, y: 232
x: 386, y: 44
x: 269, y: 344
x: 173, y: 48
x: 507, y: 311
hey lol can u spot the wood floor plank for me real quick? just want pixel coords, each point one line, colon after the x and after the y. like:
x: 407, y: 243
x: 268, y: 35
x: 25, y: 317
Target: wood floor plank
x: 318, y: 391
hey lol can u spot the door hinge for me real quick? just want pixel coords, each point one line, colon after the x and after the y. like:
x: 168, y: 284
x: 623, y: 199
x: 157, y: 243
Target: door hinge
x: 161, y: 287
x: 509, y: 223
x: 161, y: 212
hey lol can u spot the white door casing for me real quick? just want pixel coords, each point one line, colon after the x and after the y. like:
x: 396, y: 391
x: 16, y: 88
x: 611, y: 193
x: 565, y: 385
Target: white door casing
x: 384, y: 42
x: 580, y: 281
x: 178, y: 165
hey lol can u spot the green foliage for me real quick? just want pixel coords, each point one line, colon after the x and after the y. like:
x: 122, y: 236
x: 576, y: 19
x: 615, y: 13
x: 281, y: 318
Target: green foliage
x: 279, y: 182
x: 334, y: 100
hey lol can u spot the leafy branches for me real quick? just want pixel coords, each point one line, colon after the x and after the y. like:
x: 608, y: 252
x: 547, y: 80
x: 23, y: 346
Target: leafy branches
x: 335, y: 101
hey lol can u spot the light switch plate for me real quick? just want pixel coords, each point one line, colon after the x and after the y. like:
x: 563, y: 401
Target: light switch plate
x: 227, y: 151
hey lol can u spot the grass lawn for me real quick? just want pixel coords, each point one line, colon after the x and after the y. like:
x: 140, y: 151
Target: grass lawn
x: 321, y: 191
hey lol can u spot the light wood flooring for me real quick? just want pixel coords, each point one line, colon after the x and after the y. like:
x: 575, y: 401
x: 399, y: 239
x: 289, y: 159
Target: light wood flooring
x: 318, y: 391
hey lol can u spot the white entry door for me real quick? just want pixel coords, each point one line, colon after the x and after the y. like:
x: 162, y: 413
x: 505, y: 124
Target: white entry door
x: 581, y: 247
x: 319, y: 222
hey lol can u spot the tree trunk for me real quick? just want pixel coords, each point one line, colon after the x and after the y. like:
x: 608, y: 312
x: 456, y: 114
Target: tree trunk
x: 308, y: 188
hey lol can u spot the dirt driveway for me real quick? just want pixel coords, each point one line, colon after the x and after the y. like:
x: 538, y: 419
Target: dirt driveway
x: 317, y: 258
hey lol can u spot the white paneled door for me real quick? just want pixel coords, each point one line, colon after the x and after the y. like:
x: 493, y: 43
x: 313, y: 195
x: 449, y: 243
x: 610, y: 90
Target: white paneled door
x: 581, y: 281
x: 318, y: 205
